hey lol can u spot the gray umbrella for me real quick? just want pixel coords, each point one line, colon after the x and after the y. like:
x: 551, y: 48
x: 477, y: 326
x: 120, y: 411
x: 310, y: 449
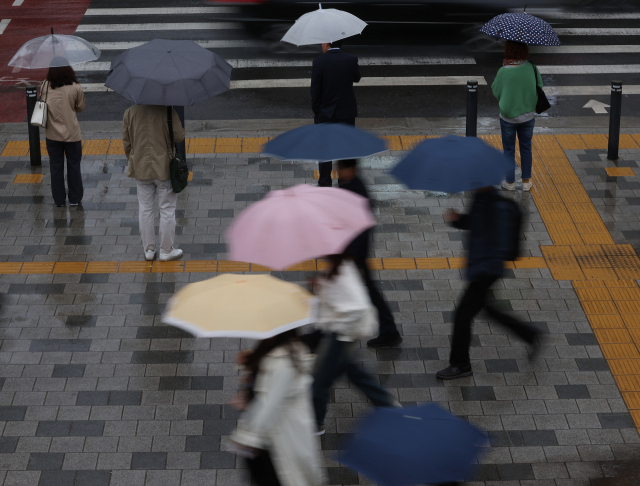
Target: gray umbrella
x: 166, y: 72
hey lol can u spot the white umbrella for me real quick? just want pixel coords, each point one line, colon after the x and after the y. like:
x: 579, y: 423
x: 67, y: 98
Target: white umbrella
x: 323, y: 26
x: 39, y: 52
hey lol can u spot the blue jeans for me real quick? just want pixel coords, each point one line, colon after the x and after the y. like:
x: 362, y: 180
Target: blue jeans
x: 525, y: 134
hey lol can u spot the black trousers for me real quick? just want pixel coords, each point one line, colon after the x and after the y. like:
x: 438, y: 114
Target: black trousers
x: 326, y: 167
x: 73, y: 151
x: 385, y: 317
x: 473, y: 301
x: 262, y: 471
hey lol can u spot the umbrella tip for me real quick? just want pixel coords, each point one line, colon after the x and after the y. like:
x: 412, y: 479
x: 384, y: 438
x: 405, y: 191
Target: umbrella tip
x: 51, y: 30
x: 525, y: 8
x: 320, y: 5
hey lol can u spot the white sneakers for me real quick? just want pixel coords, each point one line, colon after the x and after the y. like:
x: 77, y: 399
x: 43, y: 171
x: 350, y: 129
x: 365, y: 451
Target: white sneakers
x: 172, y: 255
x: 511, y: 186
x: 526, y: 186
x: 149, y: 255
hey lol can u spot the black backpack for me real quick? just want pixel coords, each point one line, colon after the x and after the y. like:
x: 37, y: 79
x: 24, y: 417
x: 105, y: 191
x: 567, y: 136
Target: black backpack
x: 513, y: 216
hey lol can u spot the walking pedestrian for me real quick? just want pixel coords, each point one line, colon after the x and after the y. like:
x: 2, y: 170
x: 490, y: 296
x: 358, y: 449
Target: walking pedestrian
x: 147, y: 144
x: 515, y: 89
x: 359, y: 250
x: 332, y: 97
x: 276, y: 430
x: 491, y: 238
x: 64, y: 98
x: 345, y: 314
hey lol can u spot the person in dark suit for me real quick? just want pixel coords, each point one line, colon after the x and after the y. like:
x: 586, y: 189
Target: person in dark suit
x: 332, y: 96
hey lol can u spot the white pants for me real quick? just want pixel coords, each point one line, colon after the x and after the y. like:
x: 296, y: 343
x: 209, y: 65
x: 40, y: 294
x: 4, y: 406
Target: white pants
x: 167, y: 200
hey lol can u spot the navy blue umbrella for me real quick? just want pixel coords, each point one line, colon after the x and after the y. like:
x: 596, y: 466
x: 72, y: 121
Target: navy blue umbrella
x: 324, y: 142
x: 522, y: 27
x: 452, y: 164
x: 411, y: 446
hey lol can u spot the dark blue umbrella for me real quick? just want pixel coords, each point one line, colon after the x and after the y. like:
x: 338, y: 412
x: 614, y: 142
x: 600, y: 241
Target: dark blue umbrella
x: 452, y: 164
x: 417, y: 445
x: 324, y: 142
x: 522, y: 27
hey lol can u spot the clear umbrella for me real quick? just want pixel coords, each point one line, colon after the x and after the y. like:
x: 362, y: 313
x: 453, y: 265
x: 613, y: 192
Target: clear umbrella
x: 52, y: 51
x: 323, y: 26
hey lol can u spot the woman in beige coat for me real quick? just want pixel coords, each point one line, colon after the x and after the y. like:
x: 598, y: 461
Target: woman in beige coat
x: 64, y: 98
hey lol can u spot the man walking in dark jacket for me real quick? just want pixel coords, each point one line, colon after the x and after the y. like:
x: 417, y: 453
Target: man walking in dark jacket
x: 487, y: 223
x: 332, y: 96
x: 359, y: 250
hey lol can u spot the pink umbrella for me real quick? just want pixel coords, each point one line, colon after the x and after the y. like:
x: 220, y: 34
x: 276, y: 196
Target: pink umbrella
x: 298, y: 224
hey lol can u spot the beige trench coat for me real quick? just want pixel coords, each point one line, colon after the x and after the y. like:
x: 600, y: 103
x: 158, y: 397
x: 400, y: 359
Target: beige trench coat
x: 280, y: 418
x: 145, y: 136
x: 62, y: 105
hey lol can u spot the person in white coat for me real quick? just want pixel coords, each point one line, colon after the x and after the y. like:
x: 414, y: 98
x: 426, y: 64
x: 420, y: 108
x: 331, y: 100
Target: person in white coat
x: 345, y: 314
x: 276, y: 429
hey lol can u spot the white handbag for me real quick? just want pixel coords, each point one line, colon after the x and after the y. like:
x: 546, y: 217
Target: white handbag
x: 39, y: 117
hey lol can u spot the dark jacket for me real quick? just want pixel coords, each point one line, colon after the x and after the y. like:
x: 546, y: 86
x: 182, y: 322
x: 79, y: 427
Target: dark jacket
x: 332, y: 81
x: 359, y: 247
x: 488, y: 235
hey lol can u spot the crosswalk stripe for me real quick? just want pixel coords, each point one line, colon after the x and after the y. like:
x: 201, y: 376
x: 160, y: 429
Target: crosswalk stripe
x: 158, y: 26
x: 606, y: 49
x: 588, y: 90
x: 591, y: 69
x: 93, y: 12
x: 559, y: 15
x: 596, y: 31
x: 207, y: 44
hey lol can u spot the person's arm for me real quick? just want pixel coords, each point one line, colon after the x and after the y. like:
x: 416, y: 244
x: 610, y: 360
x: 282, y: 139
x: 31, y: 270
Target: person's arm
x: 178, y: 129
x: 316, y: 88
x: 356, y: 72
x: 457, y: 220
x: 80, y: 105
x: 126, y: 138
x: 539, y: 78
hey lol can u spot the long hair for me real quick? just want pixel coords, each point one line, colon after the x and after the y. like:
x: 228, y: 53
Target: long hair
x: 61, y: 76
x: 517, y: 51
x: 266, y: 346
x: 335, y: 261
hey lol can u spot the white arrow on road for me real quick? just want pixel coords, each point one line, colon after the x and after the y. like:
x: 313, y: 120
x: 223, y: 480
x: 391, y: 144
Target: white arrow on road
x: 598, y: 106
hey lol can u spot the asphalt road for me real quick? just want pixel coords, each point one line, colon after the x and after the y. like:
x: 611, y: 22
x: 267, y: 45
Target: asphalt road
x: 414, y: 69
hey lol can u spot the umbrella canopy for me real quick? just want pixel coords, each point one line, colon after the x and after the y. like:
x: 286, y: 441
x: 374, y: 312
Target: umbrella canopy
x: 417, y: 445
x: 452, y: 164
x: 244, y: 306
x: 54, y: 50
x: 168, y: 72
x: 297, y: 224
x: 323, y: 26
x: 522, y: 27
x: 326, y: 141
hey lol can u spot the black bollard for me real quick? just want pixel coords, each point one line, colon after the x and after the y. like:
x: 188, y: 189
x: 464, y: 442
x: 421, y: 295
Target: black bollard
x: 472, y: 108
x: 34, y: 132
x: 182, y: 146
x: 614, y: 119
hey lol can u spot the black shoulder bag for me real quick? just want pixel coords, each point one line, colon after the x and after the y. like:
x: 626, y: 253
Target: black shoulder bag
x: 543, y: 103
x: 178, y: 169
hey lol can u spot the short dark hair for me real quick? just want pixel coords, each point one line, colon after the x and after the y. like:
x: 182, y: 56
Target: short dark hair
x: 61, y: 76
x: 346, y: 163
x: 337, y: 44
x: 517, y: 51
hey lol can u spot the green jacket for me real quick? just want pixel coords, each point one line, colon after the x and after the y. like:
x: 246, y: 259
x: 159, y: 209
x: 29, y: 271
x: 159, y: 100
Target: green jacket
x: 516, y: 90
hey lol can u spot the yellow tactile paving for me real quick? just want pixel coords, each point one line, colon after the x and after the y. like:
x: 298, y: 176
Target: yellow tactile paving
x: 613, y: 336
x: 611, y: 321
x: 627, y: 142
x: 70, y: 267
x: 624, y: 366
x: 115, y: 147
x: 597, y: 141
x: 620, y: 172
x: 432, y: 263
x: 15, y: 148
x: 190, y: 177
x: 316, y: 174
x: 457, y: 263
x: 633, y: 400
x: 393, y: 142
x: 253, y: 145
x: 530, y: 262
x: 201, y: 146
x: 135, y: 267
x: 620, y: 351
x: 399, y: 263
x: 571, y: 142
x: 10, y: 268
x: 102, y: 267
x: 43, y: 148
x: 28, y: 179
x: 409, y: 142
x: 372, y: 263
x: 308, y: 266
x: 96, y: 147
x: 167, y: 267
x: 602, y: 307
x: 229, y: 145
x: 200, y: 266
x: 589, y: 294
x: 37, y: 267
x: 229, y: 266
x: 631, y: 321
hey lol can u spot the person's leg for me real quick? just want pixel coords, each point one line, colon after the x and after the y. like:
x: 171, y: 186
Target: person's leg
x: 73, y: 150
x: 146, y: 198
x: 365, y: 382
x: 525, y: 135
x: 56, y: 164
x: 325, y: 169
x: 509, y: 146
x: 330, y: 364
x: 526, y: 332
x: 167, y: 201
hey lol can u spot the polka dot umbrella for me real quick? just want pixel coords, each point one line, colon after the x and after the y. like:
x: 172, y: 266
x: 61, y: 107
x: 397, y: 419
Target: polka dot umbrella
x: 522, y: 27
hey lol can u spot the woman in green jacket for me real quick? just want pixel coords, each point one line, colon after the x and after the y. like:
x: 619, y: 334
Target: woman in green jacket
x: 515, y: 89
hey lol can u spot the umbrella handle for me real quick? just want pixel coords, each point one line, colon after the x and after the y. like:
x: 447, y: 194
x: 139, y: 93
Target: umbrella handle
x: 53, y: 43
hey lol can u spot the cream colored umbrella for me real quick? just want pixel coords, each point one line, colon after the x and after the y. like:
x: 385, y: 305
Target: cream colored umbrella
x: 240, y: 306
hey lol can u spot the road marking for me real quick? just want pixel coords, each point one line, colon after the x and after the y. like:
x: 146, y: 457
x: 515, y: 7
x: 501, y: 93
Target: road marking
x: 586, y: 49
x: 596, y: 31
x: 589, y: 90
x: 597, y: 106
x: 591, y: 69
x: 207, y: 44
x: 158, y: 26
x: 558, y: 14
x: 272, y: 63
x: 306, y: 82
x: 3, y: 24
x: 17, y: 3
x: 93, y: 12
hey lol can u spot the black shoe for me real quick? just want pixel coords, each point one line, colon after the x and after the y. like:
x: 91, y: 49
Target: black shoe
x: 59, y: 205
x: 453, y: 372
x: 385, y: 340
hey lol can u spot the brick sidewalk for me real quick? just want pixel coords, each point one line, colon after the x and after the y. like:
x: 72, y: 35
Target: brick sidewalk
x: 95, y: 390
